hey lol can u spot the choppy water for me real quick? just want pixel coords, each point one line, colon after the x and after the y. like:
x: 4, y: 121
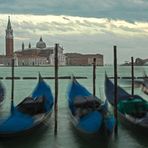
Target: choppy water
x: 67, y: 137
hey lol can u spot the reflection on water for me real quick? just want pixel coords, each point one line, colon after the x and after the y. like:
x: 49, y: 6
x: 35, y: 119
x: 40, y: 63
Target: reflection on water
x: 142, y: 140
x: 85, y: 141
x: 25, y: 141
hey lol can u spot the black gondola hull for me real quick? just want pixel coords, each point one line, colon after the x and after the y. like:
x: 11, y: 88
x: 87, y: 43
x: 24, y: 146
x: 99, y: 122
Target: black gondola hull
x: 132, y: 119
x: 131, y: 125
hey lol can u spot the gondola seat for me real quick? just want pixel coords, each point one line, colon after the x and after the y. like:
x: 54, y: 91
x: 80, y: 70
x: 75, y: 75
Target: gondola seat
x: 32, y: 106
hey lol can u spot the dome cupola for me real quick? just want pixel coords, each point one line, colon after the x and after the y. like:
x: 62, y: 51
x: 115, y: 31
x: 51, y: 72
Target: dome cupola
x: 41, y: 43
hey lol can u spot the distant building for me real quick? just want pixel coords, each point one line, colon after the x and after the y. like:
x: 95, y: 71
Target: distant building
x: 41, y: 55
x: 138, y: 62
x: 6, y: 59
x: 30, y: 61
x: 76, y: 59
x: 2, y: 59
x: 9, y: 39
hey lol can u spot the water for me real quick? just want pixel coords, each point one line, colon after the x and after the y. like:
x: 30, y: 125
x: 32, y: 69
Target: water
x: 67, y: 135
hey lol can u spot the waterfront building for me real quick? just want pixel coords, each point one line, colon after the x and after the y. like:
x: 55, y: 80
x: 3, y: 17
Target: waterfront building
x: 40, y: 55
x: 77, y: 59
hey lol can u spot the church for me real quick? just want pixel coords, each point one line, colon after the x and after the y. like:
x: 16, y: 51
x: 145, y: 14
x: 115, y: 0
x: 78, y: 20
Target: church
x: 40, y: 55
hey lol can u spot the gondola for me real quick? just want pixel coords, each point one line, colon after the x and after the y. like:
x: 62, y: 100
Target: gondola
x: 29, y: 115
x: 2, y: 92
x: 132, y: 110
x: 88, y: 114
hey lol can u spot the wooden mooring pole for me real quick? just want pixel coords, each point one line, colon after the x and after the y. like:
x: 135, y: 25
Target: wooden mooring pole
x: 132, y: 74
x: 56, y: 88
x: 12, y: 85
x: 115, y: 90
x: 94, y: 77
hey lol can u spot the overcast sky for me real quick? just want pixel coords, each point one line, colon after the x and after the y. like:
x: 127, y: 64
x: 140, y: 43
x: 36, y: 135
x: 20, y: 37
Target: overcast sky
x: 86, y: 26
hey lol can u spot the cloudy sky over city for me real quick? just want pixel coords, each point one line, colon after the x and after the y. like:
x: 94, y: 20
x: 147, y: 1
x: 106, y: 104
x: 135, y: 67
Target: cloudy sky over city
x: 85, y: 26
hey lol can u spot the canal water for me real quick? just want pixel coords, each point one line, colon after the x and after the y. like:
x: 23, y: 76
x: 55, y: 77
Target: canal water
x: 67, y: 136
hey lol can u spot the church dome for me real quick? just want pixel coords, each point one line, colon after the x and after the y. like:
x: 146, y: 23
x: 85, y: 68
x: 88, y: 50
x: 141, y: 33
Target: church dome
x: 40, y: 44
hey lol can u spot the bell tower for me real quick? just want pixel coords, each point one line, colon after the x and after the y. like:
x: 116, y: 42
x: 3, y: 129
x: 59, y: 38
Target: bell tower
x: 9, y: 39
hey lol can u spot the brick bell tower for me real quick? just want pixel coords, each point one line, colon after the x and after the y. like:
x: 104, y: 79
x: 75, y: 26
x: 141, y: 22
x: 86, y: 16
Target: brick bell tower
x: 9, y: 39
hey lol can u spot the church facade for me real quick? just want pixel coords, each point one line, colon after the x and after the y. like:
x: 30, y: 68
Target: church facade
x: 40, y: 55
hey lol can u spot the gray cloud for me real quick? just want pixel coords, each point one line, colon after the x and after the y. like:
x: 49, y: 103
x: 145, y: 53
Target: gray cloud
x: 114, y: 9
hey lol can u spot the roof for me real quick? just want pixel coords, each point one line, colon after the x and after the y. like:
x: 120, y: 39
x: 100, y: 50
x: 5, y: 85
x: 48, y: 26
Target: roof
x: 72, y: 55
x: 9, y: 24
x: 41, y: 43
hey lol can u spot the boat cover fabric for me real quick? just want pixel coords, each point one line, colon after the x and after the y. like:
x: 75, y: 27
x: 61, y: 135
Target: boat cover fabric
x: 133, y: 106
x: 76, y: 90
x: 16, y: 122
x: 91, y: 122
